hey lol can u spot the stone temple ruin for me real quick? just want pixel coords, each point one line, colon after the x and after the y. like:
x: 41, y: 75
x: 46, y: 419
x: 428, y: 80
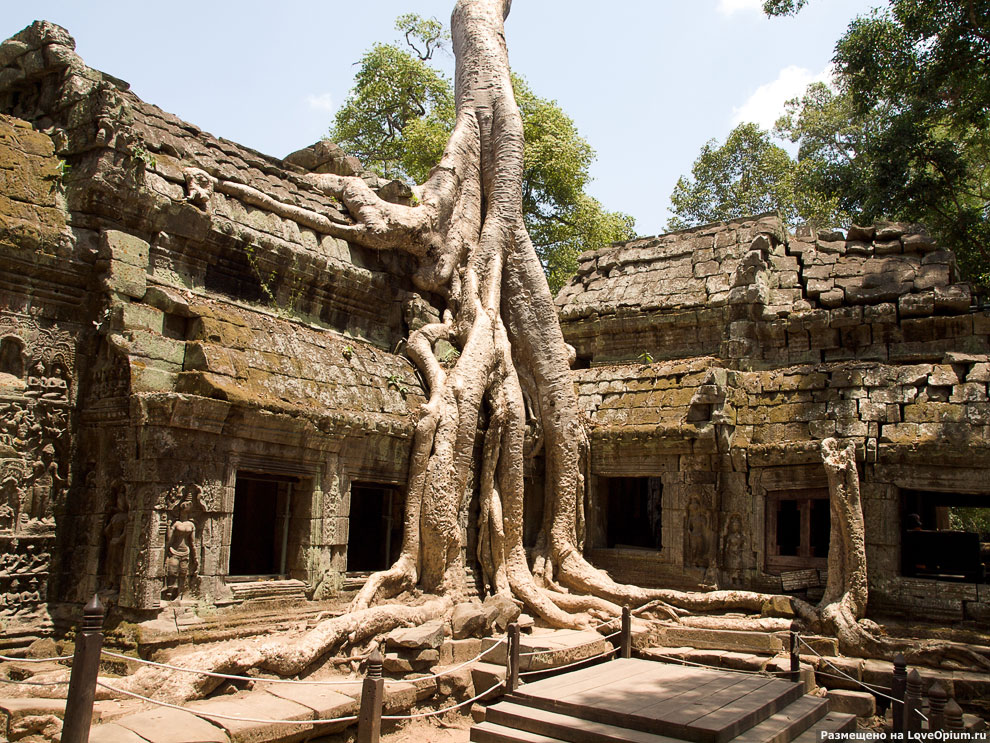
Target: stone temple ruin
x: 203, y: 401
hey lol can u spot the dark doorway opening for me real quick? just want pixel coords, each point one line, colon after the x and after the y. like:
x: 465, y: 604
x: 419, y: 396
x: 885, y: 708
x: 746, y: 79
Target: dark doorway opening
x: 945, y: 536
x: 633, y: 512
x: 260, y: 528
x: 799, y: 526
x: 374, y: 537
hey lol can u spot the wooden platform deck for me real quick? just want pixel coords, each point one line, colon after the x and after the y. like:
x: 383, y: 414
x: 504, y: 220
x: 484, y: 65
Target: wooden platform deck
x: 642, y: 700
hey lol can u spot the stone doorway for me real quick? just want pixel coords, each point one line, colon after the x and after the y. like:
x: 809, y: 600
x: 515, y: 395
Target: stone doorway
x: 633, y: 512
x: 798, y: 529
x: 375, y: 530
x: 259, y: 538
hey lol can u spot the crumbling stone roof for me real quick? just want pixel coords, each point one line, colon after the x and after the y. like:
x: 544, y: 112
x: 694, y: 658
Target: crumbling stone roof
x: 206, y: 294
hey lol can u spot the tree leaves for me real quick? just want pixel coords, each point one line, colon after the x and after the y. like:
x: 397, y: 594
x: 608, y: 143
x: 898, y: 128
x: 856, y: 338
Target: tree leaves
x: 903, y: 135
x: 399, y: 114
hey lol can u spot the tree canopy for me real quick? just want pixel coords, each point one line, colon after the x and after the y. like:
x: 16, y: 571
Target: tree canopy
x: 400, y: 113
x: 901, y: 134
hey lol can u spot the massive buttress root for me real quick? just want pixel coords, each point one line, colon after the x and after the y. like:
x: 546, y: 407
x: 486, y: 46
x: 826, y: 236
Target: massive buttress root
x: 468, y: 236
x: 843, y: 606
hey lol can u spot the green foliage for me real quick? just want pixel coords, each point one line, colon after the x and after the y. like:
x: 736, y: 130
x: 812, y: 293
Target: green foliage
x: 395, y: 381
x: 783, y: 7
x: 143, y: 158
x: 347, y: 352
x: 749, y: 174
x: 394, y: 118
x: 400, y: 113
x: 906, y: 135
x: 970, y: 519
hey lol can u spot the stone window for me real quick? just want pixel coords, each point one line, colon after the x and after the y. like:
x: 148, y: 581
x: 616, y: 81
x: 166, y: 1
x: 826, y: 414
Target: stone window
x: 633, y: 511
x: 375, y: 530
x: 11, y: 357
x: 798, y: 526
x: 265, y: 507
x: 945, y: 536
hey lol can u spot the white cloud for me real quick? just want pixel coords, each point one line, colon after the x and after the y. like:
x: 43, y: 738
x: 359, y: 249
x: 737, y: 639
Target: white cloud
x: 728, y: 7
x: 321, y: 102
x: 766, y: 103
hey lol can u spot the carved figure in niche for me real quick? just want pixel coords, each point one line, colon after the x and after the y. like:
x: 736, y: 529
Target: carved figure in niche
x: 114, y: 534
x: 6, y: 517
x: 180, y: 566
x: 35, y: 380
x: 697, y: 531
x: 733, y: 550
x: 199, y: 187
x: 56, y: 384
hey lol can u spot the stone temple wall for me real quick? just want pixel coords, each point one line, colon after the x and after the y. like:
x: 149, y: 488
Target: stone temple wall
x: 165, y: 333
x: 718, y: 358
x: 173, y: 344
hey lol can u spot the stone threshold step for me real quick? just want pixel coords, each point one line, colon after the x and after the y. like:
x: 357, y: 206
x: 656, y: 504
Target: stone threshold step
x: 564, y: 727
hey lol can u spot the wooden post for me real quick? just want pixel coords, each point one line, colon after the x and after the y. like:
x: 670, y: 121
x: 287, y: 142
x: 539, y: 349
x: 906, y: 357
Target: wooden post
x: 85, y: 670
x: 372, y: 696
x: 954, y: 717
x: 795, y: 658
x: 512, y: 659
x: 898, y: 687
x: 937, y: 698
x: 625, y: 639
x: 912, y: 703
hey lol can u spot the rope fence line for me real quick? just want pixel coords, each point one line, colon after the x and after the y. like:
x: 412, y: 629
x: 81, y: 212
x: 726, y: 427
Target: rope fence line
x: 351, y: 682
x: 35, y: 660
x: 217, y: 715
x: 674, y: 659
x: 613, y: 620
x: 530, y: 653
x: 843, y: 674
x: 570, y: 665
x: 433, y: 713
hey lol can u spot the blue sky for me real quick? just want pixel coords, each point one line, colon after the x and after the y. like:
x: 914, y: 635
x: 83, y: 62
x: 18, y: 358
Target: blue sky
x: 647, y: 82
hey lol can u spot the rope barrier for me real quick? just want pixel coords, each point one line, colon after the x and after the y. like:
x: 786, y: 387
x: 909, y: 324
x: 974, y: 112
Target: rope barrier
x: 235, y: 677
x: 33, y: 683
x: 262, y: 721
x: 531, y: 653
x: 230, y: 676
x: 843, y: 674
x: 681, y: 661
x: 603, y: 624
x: 458, y: 667
x: 570, y: 665
x: 435, y: 712
x: 202, y: 713
x: 34, y: 660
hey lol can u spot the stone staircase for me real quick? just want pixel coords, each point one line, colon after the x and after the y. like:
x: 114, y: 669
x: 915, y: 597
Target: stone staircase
x: 629, y: 701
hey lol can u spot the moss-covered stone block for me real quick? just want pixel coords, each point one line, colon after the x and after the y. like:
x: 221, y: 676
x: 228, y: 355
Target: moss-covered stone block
x: 125, y: 248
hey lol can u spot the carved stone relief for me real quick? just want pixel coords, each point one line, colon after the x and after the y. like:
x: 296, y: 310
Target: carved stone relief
x: 734, y: 550
x: 115, y: 536
x: 697, y: 534
x: 185, y: 515
x: 24, y: 566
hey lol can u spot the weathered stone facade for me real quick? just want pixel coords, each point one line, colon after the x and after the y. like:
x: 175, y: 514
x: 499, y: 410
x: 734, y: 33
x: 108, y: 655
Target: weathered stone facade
x: 199, y: 387
x: 718, y: 358
x: 165, y: 338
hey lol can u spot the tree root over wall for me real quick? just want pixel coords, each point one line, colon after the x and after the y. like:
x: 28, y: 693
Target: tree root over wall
x: 466, y: 233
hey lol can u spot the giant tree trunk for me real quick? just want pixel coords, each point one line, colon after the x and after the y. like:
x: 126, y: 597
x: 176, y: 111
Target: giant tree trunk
x: 468, y: 235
